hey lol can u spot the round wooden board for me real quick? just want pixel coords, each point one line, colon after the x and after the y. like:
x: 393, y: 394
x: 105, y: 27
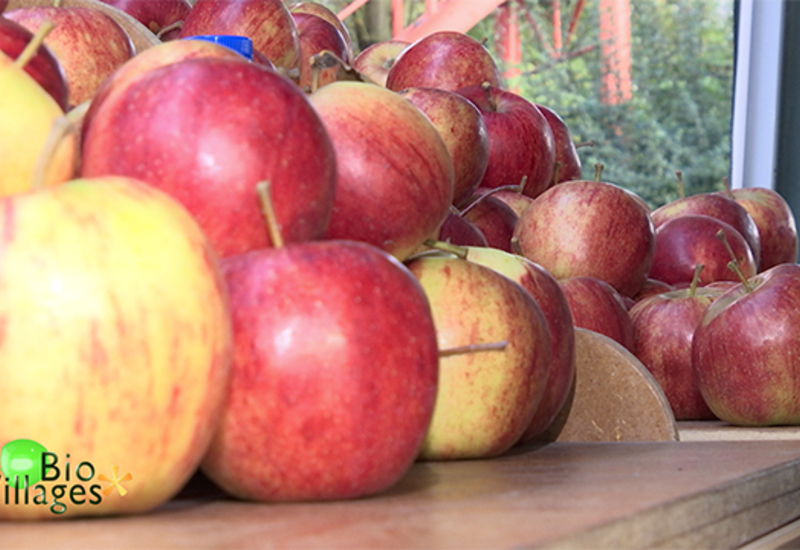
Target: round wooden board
x: 615, y: 398
x: 141, y: 36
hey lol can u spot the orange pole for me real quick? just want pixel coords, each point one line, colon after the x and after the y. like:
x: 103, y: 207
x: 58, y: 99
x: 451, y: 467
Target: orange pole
x: 508, y: 43
x: 615, y: 48
x: 454, y: 15
x: 348, y: 10
x: 557, y: 42
x: 398, y: 17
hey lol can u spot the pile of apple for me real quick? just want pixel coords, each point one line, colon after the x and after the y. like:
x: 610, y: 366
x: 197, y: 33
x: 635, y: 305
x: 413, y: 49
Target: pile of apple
x: 304, y: 272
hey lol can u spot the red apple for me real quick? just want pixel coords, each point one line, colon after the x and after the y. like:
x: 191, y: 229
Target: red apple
x: 516, y: 200
x: 334, y: 374
x: 495, y: 219
x: 664, y: 326
x: 745, y: 350
x: 589, y: 228
x: 315, y: 35
x: 156, y: 15
x: 486, y: 397
x: 775, y: 221
x: 394, y: 182
x: 717, y: 206
x: 88, y: 44
x: 651, y: 287
x: 597, y: 306
x: 521, y: 144
x: 445, y: 59
x: 43, y: 66
x: 207, y: 131
x: 685, y: 241
x: 460, y: 231
x: 374, y: 61
x: 268, y: 23
x: 567, y: 159
x: 464, y: 133
x: 320, y: 10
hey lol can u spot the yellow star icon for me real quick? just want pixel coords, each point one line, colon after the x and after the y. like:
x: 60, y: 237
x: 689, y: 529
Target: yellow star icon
x: 115, y: 481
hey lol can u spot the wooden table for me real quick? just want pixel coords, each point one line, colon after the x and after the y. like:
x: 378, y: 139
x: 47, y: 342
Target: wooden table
x: 691, y: 494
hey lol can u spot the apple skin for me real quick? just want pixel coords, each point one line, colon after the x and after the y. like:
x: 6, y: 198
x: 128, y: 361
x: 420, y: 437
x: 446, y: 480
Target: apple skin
x: 486, y: 398
x: 460, y: 231
x: 567, y: 158
x: 589, y: 228
x: 745, y: 351
x: 88, y: 44
x: 597, y: 306
x: 314, y: 35
x: 320, y: 10
x: 664, y: 326
x: 544, y: 288
x: 495, y: 219
x: 777, y: 227
x: 209, y: 129
x: 268, y: 23
x: 463, y: 130
x: 43, y: 66
x: 717, y: 206
x: 374, y: 61
x: 521, y: 143
x: 334, y: 375
x: 517, y: 201
x: 407, y: 204
x: 652, y: 287
x: 445, y: 59
x: 28, y: 115
x: 122, y: 285
x: 688, y: 240
x: 156, y: 15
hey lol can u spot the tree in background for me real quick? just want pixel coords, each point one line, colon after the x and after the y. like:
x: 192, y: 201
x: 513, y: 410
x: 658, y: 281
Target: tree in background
x: 679, y: 115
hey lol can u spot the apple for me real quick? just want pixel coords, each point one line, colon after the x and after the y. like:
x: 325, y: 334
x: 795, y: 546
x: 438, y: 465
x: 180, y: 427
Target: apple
x: 486, y: 397
x: 322, y: 11
x: 567, y: 159
x: 374, y: 61
x: 208, y: 130
x: 777, y: 227
x: 334, y: 374
x: 463, y: 130
x: 394, y: 175
x: 664, y: 326
x: 31, y: 153
x: 544, y: 288
x: 268, y: 23
x: 495, y: 219
x: 460, y: 231
x: 685, y: 241
x: 42, y: 66
x: 162, y: 17
x: 444, y: 59
x: 316, y: 35
x: 516, y: 200
x: 651, y: 287
x: 521, y: 144
x: 717, y: 206
x: 745, y: 350
x: 88, y: 44
x: 595, y: 305
x: 589, y: 228
x: 116, y: 342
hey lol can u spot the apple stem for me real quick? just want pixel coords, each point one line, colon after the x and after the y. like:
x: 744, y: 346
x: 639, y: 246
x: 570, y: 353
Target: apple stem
x: 264, y: 190
x: 733, y: 265
x: 695, y: 279
x: 556, y: 170
x: 598, y: 171
x: 460, y: 251
x: 487, y: 89
x: 490, y: 192
x: 515, y: 247
x: 473, y: 348
x: 726, y: 189
x: 681, y: 189
x: 171, y: 27
x: 33, y: 45
x: 62, y: 126
x: 590, y: 143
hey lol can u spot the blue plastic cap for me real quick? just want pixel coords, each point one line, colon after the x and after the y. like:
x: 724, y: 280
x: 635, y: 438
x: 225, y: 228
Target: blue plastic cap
x: 240, y: 44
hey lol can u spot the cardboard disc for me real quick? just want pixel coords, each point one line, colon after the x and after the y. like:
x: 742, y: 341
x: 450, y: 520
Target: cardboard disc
x: 615, y: 398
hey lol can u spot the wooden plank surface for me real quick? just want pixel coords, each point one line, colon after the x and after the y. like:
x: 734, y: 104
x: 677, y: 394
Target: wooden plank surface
x: 560, y: 495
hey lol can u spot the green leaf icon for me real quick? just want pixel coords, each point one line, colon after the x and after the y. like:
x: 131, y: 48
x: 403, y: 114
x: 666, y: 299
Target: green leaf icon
x: 21, y: 462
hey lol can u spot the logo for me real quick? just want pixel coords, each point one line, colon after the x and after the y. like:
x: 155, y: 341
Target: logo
x: 36, y: 477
